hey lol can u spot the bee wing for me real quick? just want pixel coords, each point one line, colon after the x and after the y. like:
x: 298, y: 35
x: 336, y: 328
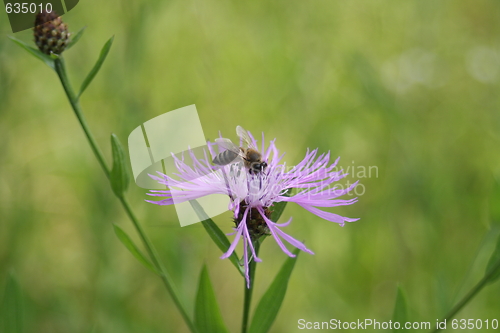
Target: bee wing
x: 228, y: 145
x: 243, y: 134
x: 231, y: 154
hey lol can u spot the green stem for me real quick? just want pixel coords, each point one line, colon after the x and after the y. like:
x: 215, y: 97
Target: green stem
x: 470, y: 295
x: 248, y: 291
x: 61, y: 72
x: 165, y: 277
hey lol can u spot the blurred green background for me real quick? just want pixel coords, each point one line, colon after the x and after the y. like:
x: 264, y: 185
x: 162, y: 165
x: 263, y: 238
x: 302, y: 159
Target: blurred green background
x: 410, y: 87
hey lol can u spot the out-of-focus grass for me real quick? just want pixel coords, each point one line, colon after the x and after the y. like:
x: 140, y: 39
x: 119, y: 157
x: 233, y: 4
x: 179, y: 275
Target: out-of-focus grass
x: 408, y: 87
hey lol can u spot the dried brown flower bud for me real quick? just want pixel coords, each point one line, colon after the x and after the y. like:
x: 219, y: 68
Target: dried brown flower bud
x: 51, y: 33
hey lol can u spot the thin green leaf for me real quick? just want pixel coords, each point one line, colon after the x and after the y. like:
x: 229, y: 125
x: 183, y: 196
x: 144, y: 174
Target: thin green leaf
x: 494, y: 201
x: 279, y: 207
x: 11, y: 314
x: 216, y: 234
x: 129, y: 244
x: 494, y: 264
x: 400, y: 314
x: 76, y: 37
x: 97, y: 66
x: 35, y: 52
x: 207, y: 316
x: 119, y: 176
x: 442, y: 290
x: 270, y: 303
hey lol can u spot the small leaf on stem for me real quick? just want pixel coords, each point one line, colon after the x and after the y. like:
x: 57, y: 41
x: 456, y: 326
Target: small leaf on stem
x: 35, y: 52
x: 400, y: 314
x: 97, y: 66
x: 207, y: 316
x: 494, y: 263
x: 11, y: 311
x: 216, y: 234
x: 119, y: 176
x: 494, y: 201
x: 129, y: 244
x: 76, y: 37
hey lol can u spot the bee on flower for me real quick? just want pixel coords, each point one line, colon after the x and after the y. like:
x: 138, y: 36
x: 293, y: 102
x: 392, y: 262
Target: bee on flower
x: 254, y: 181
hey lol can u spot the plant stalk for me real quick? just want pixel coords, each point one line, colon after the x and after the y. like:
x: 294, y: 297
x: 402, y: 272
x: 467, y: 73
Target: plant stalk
x: 470, y: 295
x: 73, y: 99
x: 249, y: 291
x: 75, y: 104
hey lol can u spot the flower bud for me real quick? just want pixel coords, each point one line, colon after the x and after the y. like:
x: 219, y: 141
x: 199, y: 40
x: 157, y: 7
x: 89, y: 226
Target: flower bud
x: 51, y: 34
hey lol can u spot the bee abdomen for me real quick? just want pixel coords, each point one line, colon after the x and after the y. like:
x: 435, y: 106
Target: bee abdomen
x: 225, y: 157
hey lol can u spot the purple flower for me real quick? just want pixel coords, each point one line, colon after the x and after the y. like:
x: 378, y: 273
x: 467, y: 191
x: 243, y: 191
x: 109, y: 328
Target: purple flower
x: 252, y: 195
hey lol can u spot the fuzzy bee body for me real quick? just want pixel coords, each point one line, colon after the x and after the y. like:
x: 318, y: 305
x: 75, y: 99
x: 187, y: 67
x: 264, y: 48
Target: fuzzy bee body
x: 251, y: 157
x: 253, y: 161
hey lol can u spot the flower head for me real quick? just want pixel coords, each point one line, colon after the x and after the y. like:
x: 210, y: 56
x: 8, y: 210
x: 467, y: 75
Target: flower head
x: 252, y: 194
x: 51, y: 33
